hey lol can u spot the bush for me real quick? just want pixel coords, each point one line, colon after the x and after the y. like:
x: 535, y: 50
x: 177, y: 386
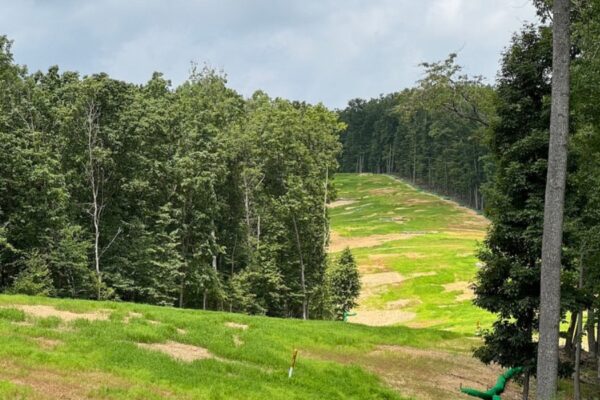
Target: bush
x: 35, y: 279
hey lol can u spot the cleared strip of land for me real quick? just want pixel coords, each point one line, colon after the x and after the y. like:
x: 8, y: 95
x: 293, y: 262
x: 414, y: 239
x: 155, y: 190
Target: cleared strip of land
x: 416, y: 253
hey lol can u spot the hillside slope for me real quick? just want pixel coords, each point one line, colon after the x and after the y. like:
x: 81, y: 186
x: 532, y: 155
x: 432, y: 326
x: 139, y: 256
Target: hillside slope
x: 415, y: 250
x: 409, y: 245
x: 74, y: 349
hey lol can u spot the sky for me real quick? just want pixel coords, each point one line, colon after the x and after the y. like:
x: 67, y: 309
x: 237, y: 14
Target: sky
x: 327, y: 51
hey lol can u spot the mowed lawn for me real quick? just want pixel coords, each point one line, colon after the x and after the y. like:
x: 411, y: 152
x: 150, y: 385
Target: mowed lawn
x: 428, y: 242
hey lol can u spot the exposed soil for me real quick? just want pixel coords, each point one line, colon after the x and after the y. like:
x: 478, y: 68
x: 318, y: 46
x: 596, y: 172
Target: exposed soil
x: 381, y: 317
x: 381, y: 278
x: 47, y: 344
x: 237, y: 341
x: 339, y: 243
x: 131, y: 315
x: 235, y: 325
x: 40, y: 311
x: 461, y: 286
x: 381, y: 191
x: 340, y: 203
x: 179, y: 351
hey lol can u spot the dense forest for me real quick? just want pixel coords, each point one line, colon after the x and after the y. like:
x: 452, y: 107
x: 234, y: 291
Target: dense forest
x: 433, y: 135
x: 190, y: 196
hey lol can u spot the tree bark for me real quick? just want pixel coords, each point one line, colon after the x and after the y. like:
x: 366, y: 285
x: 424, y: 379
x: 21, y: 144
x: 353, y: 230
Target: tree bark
x: 94, y: 178
x: 578, y: 338
x: 591, y: 334
x: 571, y: 333
x: 302, y: 277
x: 326, y: 226
x: 547, y: 357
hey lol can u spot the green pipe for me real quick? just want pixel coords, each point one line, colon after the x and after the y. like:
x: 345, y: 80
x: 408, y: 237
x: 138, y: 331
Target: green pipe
x: 496, y: 390
x: 348, y: 314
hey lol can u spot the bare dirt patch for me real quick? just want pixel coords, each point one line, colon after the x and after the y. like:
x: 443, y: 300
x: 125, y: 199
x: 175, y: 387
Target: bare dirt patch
x: 237, y: 341
x: 381, y: 278
x: 388, y: 190
x: 47, y: 344
x: 340, y: 203
x: 420, y: 274
x: 381, y: 317
x: 179, y: 351
x: 235, y: 325
x: 400, y: 303
x: 40, y: 311
x: 131, y: 315
x: 463, y: 287
x: 339, y: 243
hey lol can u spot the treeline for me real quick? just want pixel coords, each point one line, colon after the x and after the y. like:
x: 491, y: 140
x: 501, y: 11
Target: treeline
x: 508, y: 284
x: 432, y: 135
x: 190, y: 196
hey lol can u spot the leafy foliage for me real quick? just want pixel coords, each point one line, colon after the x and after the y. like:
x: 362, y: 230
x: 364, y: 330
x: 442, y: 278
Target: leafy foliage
x: 189, y: 196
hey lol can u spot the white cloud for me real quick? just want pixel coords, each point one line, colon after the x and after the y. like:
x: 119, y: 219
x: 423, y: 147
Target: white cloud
x: 314, y: 50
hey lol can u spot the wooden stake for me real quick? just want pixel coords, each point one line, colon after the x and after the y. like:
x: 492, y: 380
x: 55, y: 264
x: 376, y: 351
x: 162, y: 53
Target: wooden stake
x: 294, y: 356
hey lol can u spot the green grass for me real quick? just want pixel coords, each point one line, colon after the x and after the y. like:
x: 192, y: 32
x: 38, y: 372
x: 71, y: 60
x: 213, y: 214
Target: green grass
x: 441, y: 252
x: 52, y: 358
x: 380, y: 198
x: 102, y: 356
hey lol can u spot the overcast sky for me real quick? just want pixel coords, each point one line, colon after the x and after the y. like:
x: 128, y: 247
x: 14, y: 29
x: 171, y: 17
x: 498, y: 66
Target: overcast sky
x: 314, y: 50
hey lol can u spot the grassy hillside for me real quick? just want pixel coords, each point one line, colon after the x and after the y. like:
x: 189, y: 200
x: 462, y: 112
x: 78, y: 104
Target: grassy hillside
x: 415, y: 250
x: 416, y: 254
x: 70, y: 349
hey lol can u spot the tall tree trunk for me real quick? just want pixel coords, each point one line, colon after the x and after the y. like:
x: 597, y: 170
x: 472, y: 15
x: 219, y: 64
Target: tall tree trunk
x: 591, y: 333
x: 181, y: 290
x: 302, y: 277
x: 325, y: 225
x: 547, y: 357
x: 598, y: 345
x: 571, y: 333
x: 94, y: 178
x: 578, y: 338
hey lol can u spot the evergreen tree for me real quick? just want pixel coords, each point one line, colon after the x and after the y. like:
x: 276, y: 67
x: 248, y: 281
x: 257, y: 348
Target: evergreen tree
x: 343, y: 284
